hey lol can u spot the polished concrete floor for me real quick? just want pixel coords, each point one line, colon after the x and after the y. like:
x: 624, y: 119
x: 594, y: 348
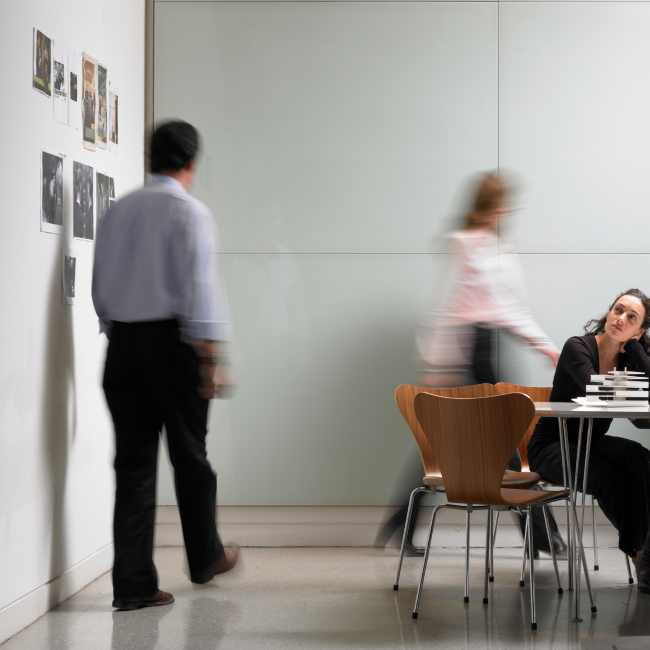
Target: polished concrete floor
x: 343, y: 598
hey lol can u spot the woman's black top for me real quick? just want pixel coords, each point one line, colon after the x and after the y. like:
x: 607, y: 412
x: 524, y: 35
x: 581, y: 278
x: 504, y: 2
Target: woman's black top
x: 578, y: 361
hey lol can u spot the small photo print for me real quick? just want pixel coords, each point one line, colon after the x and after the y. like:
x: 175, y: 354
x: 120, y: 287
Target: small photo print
x: 102, y: 107
x: 51, y: 192
x: 82, y: 201
x: 89, y: 105
x: 59, y: 73
x: 42, y: 72
x: 68, y: 276
x: 113, y: 132
x: 111, y: 191
x: 75, y: 89
x: 103, y: 195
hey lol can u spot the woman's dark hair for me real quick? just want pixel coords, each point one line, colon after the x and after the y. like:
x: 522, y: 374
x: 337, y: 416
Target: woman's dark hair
x: 597, y: 325
x: 173, y: 145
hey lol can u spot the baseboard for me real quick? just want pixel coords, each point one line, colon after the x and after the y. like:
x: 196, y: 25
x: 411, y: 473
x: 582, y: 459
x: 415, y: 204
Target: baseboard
x: 355, y: 526
x: 24, y: 611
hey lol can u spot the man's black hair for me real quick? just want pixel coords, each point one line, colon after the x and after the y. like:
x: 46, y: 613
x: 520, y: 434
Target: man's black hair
x: 173, y: 145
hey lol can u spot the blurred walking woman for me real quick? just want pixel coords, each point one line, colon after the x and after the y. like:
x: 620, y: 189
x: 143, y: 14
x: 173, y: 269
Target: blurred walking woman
x: 619, y: 469
x: 483, y: 293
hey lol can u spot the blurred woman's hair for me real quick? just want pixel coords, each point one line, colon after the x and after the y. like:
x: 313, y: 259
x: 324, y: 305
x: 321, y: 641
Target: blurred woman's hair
x: 597, y: 325
x: 490, y: 195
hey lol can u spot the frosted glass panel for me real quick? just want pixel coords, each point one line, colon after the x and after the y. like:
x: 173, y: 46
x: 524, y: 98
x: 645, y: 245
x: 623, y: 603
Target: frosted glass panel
x: 314, y: 420
x: 574, y: 100
x: 357, y: 121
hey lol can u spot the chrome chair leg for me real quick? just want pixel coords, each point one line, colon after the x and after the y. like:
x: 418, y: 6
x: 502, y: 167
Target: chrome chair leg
x: 488, y: 544
x: 406, y: 527
x: 426, y: 559
x: 529, y: 521
x: 593, y: 519
x: 523, y: 560
x: 630, y: 579
x: 550, y: 542
x: 466, y: 597
x: 495, y: 521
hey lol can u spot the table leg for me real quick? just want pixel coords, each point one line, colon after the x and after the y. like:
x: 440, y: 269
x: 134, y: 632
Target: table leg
x: 567, y: 484
x: 577, y: 542
x: 582, y: 512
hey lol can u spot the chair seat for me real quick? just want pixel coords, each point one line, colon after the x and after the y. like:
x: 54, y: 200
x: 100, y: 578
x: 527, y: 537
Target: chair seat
x: 520, y: 480
x: 512, y: 480
x: 525, y: 497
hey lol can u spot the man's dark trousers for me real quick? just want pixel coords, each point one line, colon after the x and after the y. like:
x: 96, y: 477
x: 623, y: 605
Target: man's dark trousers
x: 152, y: 379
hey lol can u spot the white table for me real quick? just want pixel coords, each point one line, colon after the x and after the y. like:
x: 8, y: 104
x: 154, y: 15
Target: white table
x: 563, y: 411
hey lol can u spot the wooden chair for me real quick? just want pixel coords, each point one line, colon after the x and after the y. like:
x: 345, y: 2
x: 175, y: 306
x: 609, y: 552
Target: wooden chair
x: 538, y: 394
x: 473, y: 440
x: 405, y: 396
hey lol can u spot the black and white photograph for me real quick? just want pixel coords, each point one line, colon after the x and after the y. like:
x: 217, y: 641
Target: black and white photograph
x: 74, y: 90
x: 60, y: 64
x: 82, y: 202
x: 103, y: 195
x: 42, y: 68
x: 51, y: 192
x: 68, y: 276
x: 113, y: 117
x: 89, y: 105
x: 102, y: 107
x: 111, y: 191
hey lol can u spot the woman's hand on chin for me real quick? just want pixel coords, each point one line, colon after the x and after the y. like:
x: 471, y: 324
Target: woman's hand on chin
x: 636, y: 336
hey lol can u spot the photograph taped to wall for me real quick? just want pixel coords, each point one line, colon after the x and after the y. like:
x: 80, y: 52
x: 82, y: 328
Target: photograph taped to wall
x: 104, y: 202
x: 102, y: 107
x: 111, y: 191
x: 42, y: 72
x: 74, y: 88
x: 89, y: 101
x: 112, y: 117
x: 68, y: 276
x: 51, y: 192
x: 59, y: 76
x: 82, y: 202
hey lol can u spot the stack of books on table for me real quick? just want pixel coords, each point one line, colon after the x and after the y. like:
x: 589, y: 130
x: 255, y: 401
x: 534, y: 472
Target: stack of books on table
x: 618, y: 388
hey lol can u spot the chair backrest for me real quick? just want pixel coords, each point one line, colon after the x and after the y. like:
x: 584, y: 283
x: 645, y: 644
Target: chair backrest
x: 537, y: 394
x: 405, y: 396
x: 473, y: 440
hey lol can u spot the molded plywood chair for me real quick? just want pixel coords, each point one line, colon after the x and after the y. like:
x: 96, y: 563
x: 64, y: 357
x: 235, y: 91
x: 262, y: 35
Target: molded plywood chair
x: 405, y: 396
x: 473, y: 440
x: 544, y: 395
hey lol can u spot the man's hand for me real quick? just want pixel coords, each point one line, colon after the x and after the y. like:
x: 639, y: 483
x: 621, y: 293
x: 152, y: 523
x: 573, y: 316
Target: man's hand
x: 215, y: 378
x: 553, y: 354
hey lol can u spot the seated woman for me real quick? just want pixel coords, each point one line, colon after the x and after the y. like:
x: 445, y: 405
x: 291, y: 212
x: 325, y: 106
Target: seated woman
x: 619, y: 469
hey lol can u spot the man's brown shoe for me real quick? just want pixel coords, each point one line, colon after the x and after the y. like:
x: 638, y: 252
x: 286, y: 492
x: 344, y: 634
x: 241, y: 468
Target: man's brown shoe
x: 223, y: 564
x: 160, y: 599
x: 643, y: 572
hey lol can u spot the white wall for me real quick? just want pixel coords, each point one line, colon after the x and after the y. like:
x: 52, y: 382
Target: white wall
x: 363, y: 120
x: 56, y: 482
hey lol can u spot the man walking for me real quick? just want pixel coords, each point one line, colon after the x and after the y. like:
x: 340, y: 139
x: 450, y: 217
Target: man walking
x: 161, y: 302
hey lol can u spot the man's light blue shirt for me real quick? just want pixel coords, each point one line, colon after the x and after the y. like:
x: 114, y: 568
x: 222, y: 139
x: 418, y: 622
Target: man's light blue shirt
x: 155, y: 260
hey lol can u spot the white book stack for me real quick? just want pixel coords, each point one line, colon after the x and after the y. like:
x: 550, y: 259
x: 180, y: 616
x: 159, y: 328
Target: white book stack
x: 618, y: 388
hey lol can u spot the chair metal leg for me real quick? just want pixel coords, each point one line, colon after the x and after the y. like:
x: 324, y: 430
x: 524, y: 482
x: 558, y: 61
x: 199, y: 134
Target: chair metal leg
x: 466, y: 597
x: 529, y: 521
x: 488, y: 544
x: 406, y: 528
x: 523, y: 560
x: 426, y: 559
x: 593, y: 519
x: 550, y: 542
x: 630, y: 579
x: 495, y: 524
